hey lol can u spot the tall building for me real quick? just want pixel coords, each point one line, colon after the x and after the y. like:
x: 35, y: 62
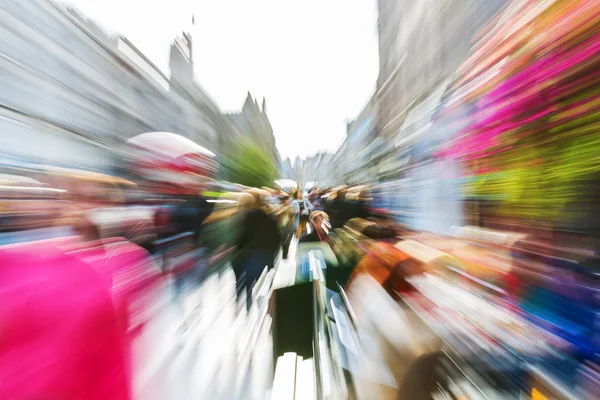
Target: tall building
x: 298, y: 169
x: 421, y: 46
x: 73, y: 94
x: 421, y: 43
x: 201, y: 119
x: 354, y: 161
x: 253, y: 123
x: 318, y: 168
x: 285, y: 169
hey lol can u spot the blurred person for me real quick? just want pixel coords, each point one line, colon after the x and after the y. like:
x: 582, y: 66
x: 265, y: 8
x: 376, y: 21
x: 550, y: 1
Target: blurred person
x: 355, y: 204
x: 101, y: 199
x: 115, y: 216
x: 379, y: 229
x: 191, y: 211
x: 346, y: 247
x: 133, y: 280
x: 328, y: 200
x: 296, y: 200
x: 289, y: 220
x: 32, y: 210
x: 320, y: 223
x: 257, y: 244
x: 313, y: 194
x: 220, y: 228
x: 188, y: 216
x: 303, y: 217
x: 303, y: 222
x: 86, y: 229
x: 389, y: 267
x: 398, y: 334
x: 362, y: 205
x: 61, y: 336
x: 337, y: 208
x: 319, y: 200
x: 128, y: 273
x: 422, y: 377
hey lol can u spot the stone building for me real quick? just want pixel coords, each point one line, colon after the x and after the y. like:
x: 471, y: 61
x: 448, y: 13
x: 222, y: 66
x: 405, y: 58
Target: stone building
x: 253, y: 123
x: 421, y: 46
x: 354, y: 162
x: 72, y: 95
x: 285, y: 169
x: 318, y: 169
x: 421, y: 43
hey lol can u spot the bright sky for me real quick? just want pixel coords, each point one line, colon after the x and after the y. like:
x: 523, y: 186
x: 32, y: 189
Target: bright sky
x: 315, y: 61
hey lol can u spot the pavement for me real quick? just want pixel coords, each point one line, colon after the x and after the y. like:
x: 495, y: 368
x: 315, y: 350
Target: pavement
x: 203, y: 345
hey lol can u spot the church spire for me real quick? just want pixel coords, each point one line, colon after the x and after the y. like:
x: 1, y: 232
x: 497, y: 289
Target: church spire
x: 249, y: 100
x: 249, y: 103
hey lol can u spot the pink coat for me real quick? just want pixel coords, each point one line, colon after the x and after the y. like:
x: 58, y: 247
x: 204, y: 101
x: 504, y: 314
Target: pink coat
x: 132, y: 279
x: 59, y: 336
x: 128, y: 272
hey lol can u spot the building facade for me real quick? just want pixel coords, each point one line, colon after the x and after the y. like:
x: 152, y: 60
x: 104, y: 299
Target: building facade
x: 318, y: 169
x: 421, y: 43
x: 285, y: 169
x: 359, y: 146
x: 253, y: 123
x: 421, y: 46
x: 72, y: 95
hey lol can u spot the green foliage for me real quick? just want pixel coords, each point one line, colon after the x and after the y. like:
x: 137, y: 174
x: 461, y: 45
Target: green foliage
x: 543, y: 181
x: 250, y: 165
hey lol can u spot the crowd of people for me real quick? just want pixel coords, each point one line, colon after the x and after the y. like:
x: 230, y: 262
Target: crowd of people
x: 342, y: 203
x: 86, y: 258
x: 85, y: 255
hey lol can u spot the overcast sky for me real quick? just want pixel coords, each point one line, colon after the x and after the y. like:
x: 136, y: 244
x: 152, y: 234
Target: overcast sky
x: 315, y: 61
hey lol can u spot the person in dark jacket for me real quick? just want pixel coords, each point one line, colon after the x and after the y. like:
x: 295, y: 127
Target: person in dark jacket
x: 187, y: 217
x: 257, y: 246
x: 362, y: 205
x: 338, y: 209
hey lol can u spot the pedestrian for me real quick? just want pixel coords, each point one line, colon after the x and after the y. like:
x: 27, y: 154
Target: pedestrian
x: 256, y: 247
x: 289, y: 215
x: 320, y: 228
x: 339, y: 209
x: 188, y: 217
x: 362, y: 204
x: 61, y: 336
